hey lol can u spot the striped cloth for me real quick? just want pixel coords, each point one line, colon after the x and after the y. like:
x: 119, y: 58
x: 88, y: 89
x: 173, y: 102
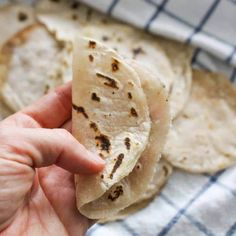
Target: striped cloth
x: 209, y: 25
x: 189, y: 204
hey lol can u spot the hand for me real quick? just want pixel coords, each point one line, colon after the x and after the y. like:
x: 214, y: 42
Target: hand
x: 37, y: 196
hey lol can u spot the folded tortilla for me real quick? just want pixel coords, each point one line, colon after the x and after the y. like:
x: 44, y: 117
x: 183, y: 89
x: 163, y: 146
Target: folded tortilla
x: 93, y: 67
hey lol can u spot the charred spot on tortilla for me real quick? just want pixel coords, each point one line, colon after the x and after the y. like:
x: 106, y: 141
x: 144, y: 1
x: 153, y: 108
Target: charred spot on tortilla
x: 89, y: 14
x: 92, y: 44
x: 95, y: 97
x: 80, y: 110
x: 91, y: 58
x: 104, y: 21
x: 138, y: 166
x: 74, y: 17
x: 118, y: 192
x: 104, y: 142
x: 115, y: 49
x: 127, y: 143
x: 22, y: 16
x: 129, y: 95
x: 105, y: 38
x: 101, y: 155
x: 130, y: 83
x: 74, y: 5
x: 133, y: 112
x: 137, y: 51
x: 93, y: 126
x: 55, y: 0
x: 115, y: 65
x: 102, y: 176
x: 110, y: 82
x: 117, y: 164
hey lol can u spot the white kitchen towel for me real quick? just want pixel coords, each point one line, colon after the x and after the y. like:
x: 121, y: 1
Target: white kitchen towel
x: 189, y: 205
x: 207, y: 24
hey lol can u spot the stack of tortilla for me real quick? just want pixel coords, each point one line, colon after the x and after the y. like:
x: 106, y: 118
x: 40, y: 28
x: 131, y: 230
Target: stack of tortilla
x: 136, y: 100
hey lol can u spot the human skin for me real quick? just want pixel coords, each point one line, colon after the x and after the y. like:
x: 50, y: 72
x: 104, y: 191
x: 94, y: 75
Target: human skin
x: 38, y: 157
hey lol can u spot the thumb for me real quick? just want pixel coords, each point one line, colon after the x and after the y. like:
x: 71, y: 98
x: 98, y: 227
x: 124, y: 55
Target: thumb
x: 39, y: 147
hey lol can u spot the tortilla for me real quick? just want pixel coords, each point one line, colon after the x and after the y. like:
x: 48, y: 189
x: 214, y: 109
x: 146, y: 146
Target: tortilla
x: 154, y: 52
x: 14, y: 18
x: 4, y: 110
x: 203, y: 138
x: 65, y: 18
x: 168, y: 59
x: 110, y: 117
x: 180, y: 56
x: 163, y: 172
x: 137, y: 181
x: 34, y: 63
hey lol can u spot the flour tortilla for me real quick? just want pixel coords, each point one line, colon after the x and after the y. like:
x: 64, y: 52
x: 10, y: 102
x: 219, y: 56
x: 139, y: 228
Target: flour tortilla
x: 154, y: 52
x: 163, y: 171
x: 110, y: 117
x: 137, y: 181
x: 203, y: 138
x: 66, y: 19
x: 34, y: 63
x: 167, y: 59
x: 14, y: 18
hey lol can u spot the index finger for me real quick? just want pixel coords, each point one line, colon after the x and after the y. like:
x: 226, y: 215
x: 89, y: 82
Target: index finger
x: 52, y: 110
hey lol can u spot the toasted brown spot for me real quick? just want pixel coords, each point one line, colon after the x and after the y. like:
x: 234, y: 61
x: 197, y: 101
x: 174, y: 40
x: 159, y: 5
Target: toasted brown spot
x: 118, y: 192
x: 133, y: 112
x: 129, y: 95
x: 117, y: 164
x: 127, y: 143
x: 93, y: 126
x: 22, y: 16
x: 104, y: 142
x: 74, y: 5
x: 80, y: 110
x: 74, y: 17
x: 113, y: 92
x: 55, y: 0
x: 95, y: 97
x: 101, y: 155
x: 137, y: 51
x: 92, y: 44
x: 110, y: 82
x: 104, y: 21
x: 138, y: 166
x: 115, y: 65
x: 91, y: 58
x: 105, y: 38
x: 102, y: 176
x: 130, y: 83
x: 185, y: 116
